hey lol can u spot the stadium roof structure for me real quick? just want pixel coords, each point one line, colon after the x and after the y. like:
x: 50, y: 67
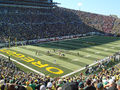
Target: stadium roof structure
x: 29, y: 3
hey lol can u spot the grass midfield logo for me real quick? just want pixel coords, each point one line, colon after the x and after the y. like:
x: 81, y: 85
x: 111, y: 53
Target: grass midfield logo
x: 32, y: 61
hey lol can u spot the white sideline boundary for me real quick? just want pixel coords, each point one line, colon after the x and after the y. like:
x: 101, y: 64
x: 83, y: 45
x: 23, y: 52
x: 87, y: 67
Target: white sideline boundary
x: 24, y: 65
x: 78, y: 70
x: 42, y: 73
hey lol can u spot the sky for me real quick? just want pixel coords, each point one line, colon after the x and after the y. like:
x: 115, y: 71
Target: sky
x: 105, y: 7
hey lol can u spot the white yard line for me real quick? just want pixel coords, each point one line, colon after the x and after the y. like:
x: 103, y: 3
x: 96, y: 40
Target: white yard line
x: 78, y: 70
x: 24, y: 65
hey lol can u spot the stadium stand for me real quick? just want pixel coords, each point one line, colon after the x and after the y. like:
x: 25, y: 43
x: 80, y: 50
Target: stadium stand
x: 30, y: 24
x: 116, y: 28
x: 27, y: 24
x: 100, y: 22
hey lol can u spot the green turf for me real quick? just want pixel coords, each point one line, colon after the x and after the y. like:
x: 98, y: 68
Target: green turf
x: 90, y: 49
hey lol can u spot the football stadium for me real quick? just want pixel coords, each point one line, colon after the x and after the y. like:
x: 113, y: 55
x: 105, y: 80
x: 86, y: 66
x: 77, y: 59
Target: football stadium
x: 47, y: 47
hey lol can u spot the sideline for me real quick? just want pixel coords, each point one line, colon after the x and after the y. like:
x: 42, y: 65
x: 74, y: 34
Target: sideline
x: 78, y: 70
x: 24, y: 65
x: 48, y: 41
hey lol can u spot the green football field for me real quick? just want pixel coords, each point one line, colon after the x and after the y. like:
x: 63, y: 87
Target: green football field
x: 63, y: 57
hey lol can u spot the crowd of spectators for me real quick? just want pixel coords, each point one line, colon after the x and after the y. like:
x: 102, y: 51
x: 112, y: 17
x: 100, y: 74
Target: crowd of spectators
x: 104, y: 63
x: 27, y: 24
x: 116, y: 28
x: 100, y: 22
x: 12, y: 78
